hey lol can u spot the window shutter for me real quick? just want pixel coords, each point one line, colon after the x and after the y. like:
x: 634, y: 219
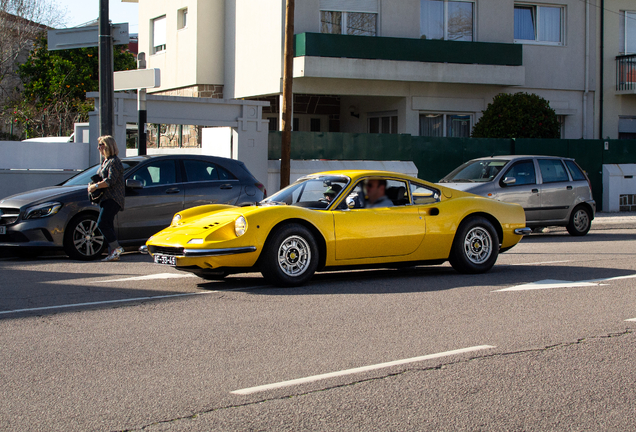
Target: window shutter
x: 368, y: 6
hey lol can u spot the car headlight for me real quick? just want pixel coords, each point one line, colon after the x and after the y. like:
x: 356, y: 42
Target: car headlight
x: 175, y: 220
x: 43, y: 210
x: 195, y: 241
x: 240, y: 226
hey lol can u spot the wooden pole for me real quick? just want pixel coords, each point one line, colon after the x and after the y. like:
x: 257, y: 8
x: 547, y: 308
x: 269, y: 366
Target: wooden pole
x: 287, y: 95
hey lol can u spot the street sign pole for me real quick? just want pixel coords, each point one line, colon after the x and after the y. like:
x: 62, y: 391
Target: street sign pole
x: 287, y: 107
x: 141, y: 109
x: 106, y: 92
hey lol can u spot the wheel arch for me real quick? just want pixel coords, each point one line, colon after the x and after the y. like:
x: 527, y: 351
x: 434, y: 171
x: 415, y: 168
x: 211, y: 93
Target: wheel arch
x: 585, y: 204
x: 490, y: 218
x: 77, y: 215
x: 320, y: 240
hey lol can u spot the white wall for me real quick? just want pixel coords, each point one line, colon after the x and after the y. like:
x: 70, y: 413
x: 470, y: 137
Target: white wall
x: 37, y: 155
x: 618, y: 179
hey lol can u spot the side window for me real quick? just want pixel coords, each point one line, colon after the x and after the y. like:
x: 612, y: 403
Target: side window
x: 397, y: 192
x: 523, y: 172
x: 224, y: 174
x: 552, y: 170
x: 575, y: 171
x: 197, y: 171
x: 423, y: 194
x: 157, y: 173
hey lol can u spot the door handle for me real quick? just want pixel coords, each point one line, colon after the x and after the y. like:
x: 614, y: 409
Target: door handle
x: 172, y: 191
x: 569, y: 188
x: 535, y: 190
x: 226, y: 186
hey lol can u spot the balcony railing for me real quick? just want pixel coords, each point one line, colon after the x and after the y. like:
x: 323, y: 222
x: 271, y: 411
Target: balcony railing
x: 626, y: 72
x: 402, y: 49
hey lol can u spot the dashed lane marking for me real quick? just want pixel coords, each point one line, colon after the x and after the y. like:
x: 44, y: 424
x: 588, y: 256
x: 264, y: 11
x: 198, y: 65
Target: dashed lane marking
x: 552, y: 283
x: 314, y: 378
x: 148, y: 277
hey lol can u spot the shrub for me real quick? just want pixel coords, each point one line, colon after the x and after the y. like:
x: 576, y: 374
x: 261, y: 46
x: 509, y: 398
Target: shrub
x: 519, y: 115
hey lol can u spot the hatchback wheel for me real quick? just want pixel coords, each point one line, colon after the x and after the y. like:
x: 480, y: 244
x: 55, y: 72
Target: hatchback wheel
x: 82, y: 239
x: 580, y: 221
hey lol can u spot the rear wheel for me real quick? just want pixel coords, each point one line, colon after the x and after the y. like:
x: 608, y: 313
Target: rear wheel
x: 290, y: 256
x: 475, y: 247
x: 580, y: 221
x: 82, y: 239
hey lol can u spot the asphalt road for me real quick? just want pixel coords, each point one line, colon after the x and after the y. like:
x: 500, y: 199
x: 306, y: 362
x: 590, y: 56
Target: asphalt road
x: 544, y: 344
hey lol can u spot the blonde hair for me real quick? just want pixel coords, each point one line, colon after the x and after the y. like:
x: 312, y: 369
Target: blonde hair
x: 110, y: 144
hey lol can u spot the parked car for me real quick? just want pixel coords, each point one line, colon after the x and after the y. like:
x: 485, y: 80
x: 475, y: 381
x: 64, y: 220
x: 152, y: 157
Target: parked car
x: 299, y: 230
x: 157, y: 187
x: 553, y: 191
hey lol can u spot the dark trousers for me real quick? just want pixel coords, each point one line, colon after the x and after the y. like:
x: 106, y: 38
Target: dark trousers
x: 106, y: 220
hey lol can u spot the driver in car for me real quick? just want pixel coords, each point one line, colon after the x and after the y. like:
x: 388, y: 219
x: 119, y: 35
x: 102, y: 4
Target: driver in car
x: 376, y: 194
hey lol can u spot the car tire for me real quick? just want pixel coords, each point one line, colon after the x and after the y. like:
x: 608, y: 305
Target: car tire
x: 290, y: 256
x: 475, y: 247
x: 580, y: 221
x: 82, y: 240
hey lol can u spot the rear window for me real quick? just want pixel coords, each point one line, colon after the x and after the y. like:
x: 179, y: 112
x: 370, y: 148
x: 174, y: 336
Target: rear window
x: 552, y: 171
x: 575, y: 171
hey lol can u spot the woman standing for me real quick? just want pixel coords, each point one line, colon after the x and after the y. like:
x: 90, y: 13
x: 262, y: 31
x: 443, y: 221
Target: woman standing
x: 112, y: 173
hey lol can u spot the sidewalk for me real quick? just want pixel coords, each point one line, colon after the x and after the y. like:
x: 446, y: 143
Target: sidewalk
x: 614, y: 220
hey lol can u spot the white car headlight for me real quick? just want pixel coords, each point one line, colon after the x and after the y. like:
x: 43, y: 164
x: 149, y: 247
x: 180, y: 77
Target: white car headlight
x: 195, y: 241
x: 175, y: 220
x: 240, y: 226
x: 43, y: 210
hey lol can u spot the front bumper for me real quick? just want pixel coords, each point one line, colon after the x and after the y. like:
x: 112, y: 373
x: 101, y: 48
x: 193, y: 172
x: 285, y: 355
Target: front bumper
x: 198, y: 253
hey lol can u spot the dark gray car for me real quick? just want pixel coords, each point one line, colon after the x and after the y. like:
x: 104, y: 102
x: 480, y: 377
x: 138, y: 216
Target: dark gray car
x: 553, y: 191
x: 157, y: 187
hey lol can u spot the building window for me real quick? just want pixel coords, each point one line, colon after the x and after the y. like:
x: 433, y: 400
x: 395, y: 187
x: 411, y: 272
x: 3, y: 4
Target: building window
x: 626, y: 127
x: 159, y: 34
x: 182, y: 18
x: 447, y: 20
x: 541, y: 24
x: 314, y: 125
x: 628, y: 32
x: 383, y: 123
x: 350, y: 23
x: 445, y: 125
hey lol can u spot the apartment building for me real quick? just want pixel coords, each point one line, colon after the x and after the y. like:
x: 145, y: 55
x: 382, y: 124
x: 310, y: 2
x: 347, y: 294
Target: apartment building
x: 617, y: 76
x: 423, y: 67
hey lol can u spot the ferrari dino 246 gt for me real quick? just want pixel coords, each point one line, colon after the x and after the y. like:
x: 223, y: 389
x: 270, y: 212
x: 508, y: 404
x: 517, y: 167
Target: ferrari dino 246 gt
x: 341, y: 219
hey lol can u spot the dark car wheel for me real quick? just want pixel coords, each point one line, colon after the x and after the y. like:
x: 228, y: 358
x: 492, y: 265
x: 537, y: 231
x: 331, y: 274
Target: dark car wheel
x: 475, y: 247
x: 580, y: 221
x: 290, y: 256
x: 82, y: 239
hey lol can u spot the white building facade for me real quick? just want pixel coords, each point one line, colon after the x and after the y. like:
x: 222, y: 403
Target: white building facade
x: 423, y: 67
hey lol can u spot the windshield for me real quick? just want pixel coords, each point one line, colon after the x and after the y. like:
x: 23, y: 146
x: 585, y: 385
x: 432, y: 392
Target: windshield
x: 483, y: 170
x: 316, y: 192
x: 84, y: 177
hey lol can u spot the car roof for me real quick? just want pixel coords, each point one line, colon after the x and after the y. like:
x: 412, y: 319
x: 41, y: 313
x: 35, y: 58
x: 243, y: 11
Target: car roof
x: 355, y: 174
x: 180, y: 156
x: 513, y: 157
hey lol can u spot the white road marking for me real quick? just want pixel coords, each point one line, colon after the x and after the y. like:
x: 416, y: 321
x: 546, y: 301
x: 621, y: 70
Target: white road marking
x: 631, y: 319
x: 148, y: 277
x: 551, y: 283
x: 105, y: 302
x: 537, y: 263
x: 314, y: 378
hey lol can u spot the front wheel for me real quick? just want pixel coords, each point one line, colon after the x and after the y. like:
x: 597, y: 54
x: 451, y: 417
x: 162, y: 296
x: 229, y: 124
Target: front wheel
x: 82, y: 239
x: 290, y: 256
x: 475, y: 247
x: 580, y: 221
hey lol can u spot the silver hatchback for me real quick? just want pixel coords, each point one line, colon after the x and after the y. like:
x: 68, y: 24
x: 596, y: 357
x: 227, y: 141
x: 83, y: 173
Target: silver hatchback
x: 553, y: 191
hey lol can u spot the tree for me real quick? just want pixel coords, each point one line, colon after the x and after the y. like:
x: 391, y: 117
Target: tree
x: 55, y: 85
x: 21, y: 21
x: 519, y: 115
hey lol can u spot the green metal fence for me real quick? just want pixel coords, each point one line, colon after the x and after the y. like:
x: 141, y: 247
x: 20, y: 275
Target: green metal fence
x: 436, y: 157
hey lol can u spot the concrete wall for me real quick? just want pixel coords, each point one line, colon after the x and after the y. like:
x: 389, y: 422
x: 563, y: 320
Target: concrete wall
x: 619, y: 187
x: 17, y: 181
x: 49, y: 156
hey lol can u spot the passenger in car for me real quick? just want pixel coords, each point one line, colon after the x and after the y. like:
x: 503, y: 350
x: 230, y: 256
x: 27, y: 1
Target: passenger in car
x: 376, y: 194
x: 332, y: 191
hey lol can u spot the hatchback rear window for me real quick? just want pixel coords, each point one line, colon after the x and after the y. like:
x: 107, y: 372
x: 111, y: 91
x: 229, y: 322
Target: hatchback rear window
x: 575, y: 171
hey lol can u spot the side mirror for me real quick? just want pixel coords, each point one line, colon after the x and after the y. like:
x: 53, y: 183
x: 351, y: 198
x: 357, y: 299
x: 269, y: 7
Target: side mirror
x: 509, y: 180
x: 134, y: 184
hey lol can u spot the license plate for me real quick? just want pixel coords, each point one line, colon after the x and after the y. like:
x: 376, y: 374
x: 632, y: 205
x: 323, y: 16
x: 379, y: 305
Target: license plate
x: 165, y: 259
x: 3, y: 229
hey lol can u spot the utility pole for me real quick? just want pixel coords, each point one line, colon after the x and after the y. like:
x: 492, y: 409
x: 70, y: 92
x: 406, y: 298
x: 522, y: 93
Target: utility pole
x: 106, y: 91
x: 287, y: 95
x: 142, y: 114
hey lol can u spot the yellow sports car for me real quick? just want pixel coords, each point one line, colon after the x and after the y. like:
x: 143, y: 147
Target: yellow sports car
x: 341, y: 219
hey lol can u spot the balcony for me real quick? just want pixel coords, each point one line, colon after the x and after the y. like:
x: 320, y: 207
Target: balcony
x: 400, y: 59
x: 626, y: 74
